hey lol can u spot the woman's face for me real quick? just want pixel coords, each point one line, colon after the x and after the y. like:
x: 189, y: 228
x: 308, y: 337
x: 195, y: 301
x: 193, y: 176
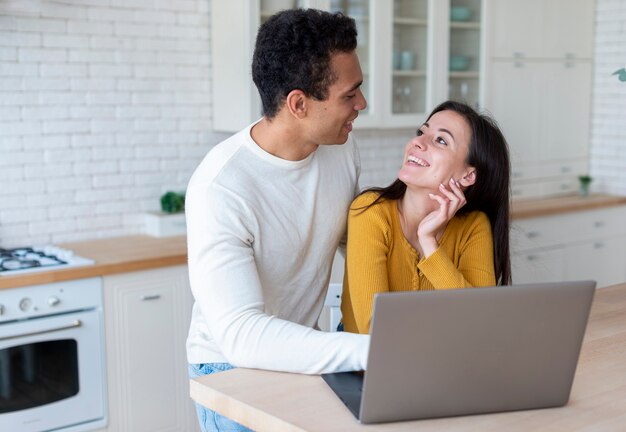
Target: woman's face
x: 437, y: 153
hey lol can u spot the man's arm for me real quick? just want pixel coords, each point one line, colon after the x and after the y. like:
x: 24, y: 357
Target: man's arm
x: 227, y: 287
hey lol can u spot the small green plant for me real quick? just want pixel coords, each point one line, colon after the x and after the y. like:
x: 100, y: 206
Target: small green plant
x: 173, y: 202
x: 585, y: 181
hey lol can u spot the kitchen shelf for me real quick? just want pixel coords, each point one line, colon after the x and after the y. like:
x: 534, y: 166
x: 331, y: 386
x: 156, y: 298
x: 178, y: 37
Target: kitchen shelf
x: 411, y: 21
x: 409, y: 73
x: 465, y: 25
x: 464, y: 75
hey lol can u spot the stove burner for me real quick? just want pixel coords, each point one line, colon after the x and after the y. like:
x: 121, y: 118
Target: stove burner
x: 26, y: 259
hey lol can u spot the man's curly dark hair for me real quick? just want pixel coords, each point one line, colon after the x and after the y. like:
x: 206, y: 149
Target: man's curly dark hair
x: 293, y: 51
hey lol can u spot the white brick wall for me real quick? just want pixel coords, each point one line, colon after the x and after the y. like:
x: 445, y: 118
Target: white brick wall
x: 608, y: 123
x: 104, y: 106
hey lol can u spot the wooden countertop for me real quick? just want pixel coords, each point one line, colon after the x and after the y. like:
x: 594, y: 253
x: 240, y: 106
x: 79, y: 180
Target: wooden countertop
x: 111, y: 255
x: 277, y: 402
x: 141, y: 252
x: 524, y: 209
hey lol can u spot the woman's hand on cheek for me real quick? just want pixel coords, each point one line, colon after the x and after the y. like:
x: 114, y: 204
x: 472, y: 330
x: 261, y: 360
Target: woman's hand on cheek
x: 450, y: 201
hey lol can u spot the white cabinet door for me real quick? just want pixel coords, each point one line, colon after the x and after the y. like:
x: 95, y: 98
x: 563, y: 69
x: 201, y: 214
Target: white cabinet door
x: 542, y: 29
x: 146, y: 319
x: 514, y: 103
x: 602, y: 260
x: 517, y: 26
x: 543, y: 110
x: 538, y: 266
x: 564, y: 97
x: 567, y: 29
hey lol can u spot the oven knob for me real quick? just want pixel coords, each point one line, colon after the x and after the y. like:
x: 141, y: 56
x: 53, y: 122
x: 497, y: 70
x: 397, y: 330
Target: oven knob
x: 25, y: 304
x: 53, y: 301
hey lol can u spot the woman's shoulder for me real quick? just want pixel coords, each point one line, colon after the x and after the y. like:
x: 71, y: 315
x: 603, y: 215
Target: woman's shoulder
x: 365, y: 199
x: 366, y: 203
x: 368, y: 199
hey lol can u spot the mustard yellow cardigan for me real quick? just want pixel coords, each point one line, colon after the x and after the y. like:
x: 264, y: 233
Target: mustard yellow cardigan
x: 380, y: 259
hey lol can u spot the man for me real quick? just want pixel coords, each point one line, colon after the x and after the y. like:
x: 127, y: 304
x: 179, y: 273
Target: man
x: 267, y: 208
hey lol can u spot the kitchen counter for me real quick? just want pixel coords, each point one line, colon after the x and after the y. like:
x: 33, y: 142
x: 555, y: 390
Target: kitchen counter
x: 112, y: 255
x: 141, y: 252
x: 524, y: 209
x: 291, y: 402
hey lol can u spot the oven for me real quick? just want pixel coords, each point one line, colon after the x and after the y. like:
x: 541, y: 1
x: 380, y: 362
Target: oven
x: 52, y: 369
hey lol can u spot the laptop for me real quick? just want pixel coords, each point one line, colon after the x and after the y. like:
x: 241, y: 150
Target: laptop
x: 468, y: 351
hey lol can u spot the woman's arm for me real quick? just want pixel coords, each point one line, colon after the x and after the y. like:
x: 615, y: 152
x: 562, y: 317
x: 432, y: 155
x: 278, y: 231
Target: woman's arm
x: 366, y: 264
x: 474, y: 264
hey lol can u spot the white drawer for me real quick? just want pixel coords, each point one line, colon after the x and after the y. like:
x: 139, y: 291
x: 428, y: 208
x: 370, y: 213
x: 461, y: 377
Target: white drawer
x: 542, y: 232
x: 567, y: 228
x: 602, y: 223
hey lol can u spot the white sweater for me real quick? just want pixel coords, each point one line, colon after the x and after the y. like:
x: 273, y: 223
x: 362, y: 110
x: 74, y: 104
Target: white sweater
x: 262, y: 233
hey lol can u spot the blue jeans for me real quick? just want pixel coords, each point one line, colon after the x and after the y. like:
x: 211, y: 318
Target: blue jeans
x: 210, y: 421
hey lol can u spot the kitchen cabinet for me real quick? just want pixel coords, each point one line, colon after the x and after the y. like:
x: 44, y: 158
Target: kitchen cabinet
x: 405, y: 48
x: 575, y: 246
x: 147, y: 316
x: 540, y: 91
x: 542, y: 29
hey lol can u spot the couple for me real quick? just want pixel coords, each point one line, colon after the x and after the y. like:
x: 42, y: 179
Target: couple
x: 268, y: 207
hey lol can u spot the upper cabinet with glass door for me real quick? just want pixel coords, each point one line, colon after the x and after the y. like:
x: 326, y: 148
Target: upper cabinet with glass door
x: 465, y: 60
x: 409, y: 58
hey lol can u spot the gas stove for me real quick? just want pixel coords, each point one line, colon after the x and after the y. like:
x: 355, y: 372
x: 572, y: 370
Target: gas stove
x: 38, y: 258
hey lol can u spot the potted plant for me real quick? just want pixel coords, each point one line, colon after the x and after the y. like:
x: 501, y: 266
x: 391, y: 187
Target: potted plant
x: 173, y: 202
x: 585, y: 181
x: 171, y: 219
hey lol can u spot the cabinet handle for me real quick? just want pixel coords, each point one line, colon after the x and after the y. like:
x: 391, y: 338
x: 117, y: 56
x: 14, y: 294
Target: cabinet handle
x: 532, y: 257
x: 532, y: 234
x: 598, y: 245
x: 518, y: 55
x: 598, y: 224
x: 566, y: 169
x: 150, y: 297
x: 570, y: 56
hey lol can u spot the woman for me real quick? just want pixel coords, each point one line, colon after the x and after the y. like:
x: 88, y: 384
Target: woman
x: 444, y: 223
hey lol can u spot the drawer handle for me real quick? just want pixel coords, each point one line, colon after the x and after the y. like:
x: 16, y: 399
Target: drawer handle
x: 532, y: 257
x: 598, y: 245
x: 598, y: 224
x: 150, y: 297
x: 533, y: 234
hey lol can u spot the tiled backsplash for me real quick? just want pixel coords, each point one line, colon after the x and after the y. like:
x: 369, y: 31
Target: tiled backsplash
x: 103, y: 108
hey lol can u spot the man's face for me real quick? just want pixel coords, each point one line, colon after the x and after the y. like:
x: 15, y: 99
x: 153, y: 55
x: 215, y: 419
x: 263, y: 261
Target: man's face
x: 330, y: 120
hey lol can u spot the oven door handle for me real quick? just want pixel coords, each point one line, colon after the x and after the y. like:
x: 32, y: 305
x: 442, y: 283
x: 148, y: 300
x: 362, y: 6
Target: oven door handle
x: 73, y: 324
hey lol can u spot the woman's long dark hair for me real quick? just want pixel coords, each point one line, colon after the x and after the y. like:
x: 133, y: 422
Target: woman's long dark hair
x: 489, y: 154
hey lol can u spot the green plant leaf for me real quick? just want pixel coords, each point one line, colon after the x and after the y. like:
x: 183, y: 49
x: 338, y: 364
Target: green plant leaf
x: 621, y: 74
